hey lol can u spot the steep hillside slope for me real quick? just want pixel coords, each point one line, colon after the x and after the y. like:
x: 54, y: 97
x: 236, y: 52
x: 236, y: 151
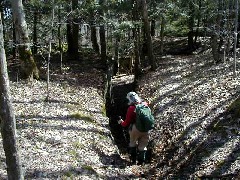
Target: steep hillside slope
x: 196, y: 136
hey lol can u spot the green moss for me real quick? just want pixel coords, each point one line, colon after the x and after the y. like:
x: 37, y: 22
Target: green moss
x: 88, y: 167
x: 68, y: 175
x: 78, y: 145
x: 220, y: 163
x: 74, y: 154
x: 104, y: 110
x: 28, y: 64
x: 74, y: 107
x: 102, y: 137
x: 81, y: 116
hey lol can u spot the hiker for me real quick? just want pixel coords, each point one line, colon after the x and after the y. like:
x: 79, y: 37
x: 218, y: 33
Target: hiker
x: 138, y: 140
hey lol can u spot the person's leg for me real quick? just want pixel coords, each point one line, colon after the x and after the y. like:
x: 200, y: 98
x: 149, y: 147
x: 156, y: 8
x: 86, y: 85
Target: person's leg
x: 133, y: 144
x: 142, y: 147
x: 133, y: 154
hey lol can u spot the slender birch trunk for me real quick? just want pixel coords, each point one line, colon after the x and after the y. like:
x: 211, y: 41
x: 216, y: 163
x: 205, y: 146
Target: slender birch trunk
x: 7, y: 119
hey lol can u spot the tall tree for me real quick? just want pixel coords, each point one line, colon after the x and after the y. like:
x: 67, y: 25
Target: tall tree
x: 7, y: 118
x: 235, y: 38
x: 215, y: 33
x: 147, y: 28
x: 28, y: 65
x: 91, y: 13
x: 35, y: 21
x: 102, y: 33
x: 191, y: 24
x: 72, y: 32
x: 136, y: 32
x: 199, y: 16
x: 2, y: 13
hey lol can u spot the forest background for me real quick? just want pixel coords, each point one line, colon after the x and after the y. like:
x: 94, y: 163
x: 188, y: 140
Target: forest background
x: 114, y: 36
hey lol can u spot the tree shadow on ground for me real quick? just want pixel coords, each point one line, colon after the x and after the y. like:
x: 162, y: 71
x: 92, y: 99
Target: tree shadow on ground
x: 43, y: 124
x: 113, y: 160
x: 185, y: 160
x: 68, y: 173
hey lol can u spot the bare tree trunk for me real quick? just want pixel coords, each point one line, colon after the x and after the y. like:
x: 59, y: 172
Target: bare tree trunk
x: 235, y: 38
x: 199, y: 16
x: 49, y: 53
x: 60, y: 46
x: 2, y: 14
x: 214, y: 46
x: 35, y: 19
x: 94, y: 38
x: 103, y: 37
x: 136, y: 35
x: 148, y: 35
x: 153, y: 27
x: 29, y: 67
x: 59, y: 30
x: 191, y: 25
x: 14, y: 49
x: 72, y: 34
x: 7, y: 119
x: 162, y: 34
x: 215, y: 36
x: 116, y: 56
x: 228, y: 29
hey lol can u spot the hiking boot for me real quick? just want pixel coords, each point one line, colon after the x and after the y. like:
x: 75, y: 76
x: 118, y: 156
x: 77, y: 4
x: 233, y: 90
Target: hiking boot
x: 133, y: 154
x: 141, y: 157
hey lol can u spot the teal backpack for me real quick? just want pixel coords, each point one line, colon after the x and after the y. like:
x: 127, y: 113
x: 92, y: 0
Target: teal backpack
x: 144, y: 118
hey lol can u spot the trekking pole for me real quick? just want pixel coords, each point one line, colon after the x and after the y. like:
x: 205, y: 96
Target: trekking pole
x: 124, y: 132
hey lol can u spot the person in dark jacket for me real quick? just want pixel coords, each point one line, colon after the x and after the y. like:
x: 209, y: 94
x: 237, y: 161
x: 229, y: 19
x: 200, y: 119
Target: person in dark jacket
x: 138, y: 140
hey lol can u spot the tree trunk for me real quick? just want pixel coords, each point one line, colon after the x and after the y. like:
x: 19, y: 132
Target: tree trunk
x: 2, y: 14
x: 14, y: 49
x: 28, y: 65
x: 198, y: 20
x: 228, y: 40
x: 221, y: 28
x: 153, y: 6
x: 72, y: 34
x: 190, y: 26
x: 162, y: 35
x: 93, y: 28
x: 7, y: 119
x: 103, y: 36
x: 235, y: 39
x: 116, y: 56
x: 59, y: 30
x: 148, y: 35
x: 136, y: 36
x: 35, y: 20
x: 94, y: 38
x: 153, y: 27
x: 215, y: 38
x: 214, y: 46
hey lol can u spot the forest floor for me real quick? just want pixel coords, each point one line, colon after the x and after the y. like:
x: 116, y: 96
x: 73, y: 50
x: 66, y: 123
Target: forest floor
x: 67, y: 135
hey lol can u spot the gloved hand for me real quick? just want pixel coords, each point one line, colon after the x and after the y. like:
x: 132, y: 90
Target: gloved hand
x: 120, y: 120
